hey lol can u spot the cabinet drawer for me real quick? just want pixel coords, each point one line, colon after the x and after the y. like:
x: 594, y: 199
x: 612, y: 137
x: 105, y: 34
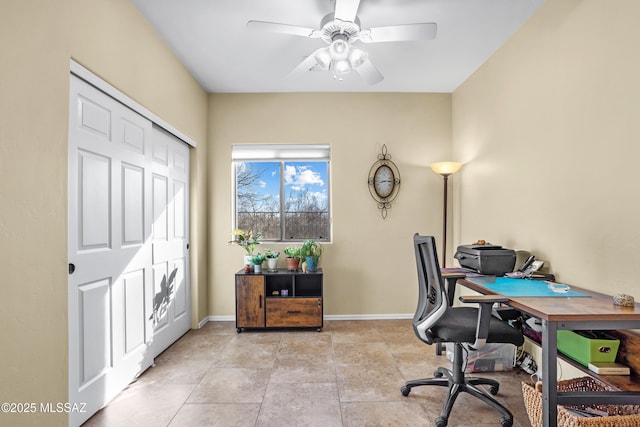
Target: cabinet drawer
x: 287, y: 312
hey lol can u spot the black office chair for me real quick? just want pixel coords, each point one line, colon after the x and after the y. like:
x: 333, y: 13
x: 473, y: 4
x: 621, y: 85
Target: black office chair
x: 435, y: 321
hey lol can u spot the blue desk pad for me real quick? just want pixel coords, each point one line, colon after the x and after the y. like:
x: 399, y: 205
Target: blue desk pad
x: 511, y: 287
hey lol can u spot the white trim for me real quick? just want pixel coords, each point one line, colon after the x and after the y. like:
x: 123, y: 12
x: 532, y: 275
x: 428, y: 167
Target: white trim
x: 368, y: 316
x: 86, y: 75
x: 329, y: 317
x: 218, y: 319
x: 320, y: 152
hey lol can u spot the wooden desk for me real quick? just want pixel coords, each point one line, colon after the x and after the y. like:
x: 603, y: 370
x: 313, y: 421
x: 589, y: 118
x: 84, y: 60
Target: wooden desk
x: 578, y: 313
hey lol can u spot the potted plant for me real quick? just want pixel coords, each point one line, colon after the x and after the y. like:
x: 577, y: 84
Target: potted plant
x: 293, y: 257
x: 247, y: 240
x: 257, y: 261
x: 311, y: 251
x: 272, y: 259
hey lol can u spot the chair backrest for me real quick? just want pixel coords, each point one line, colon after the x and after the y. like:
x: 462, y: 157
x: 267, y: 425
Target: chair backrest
x: 432, y: 297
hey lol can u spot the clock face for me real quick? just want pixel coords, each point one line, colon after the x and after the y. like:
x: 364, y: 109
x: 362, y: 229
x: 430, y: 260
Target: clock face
x: 384, y: 181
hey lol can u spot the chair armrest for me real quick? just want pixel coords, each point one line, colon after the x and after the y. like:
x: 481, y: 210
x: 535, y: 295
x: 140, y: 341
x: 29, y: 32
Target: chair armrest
x: 452, y: 279
x: 484, y: 314
x: 453, y: 275
x: 490, y: 299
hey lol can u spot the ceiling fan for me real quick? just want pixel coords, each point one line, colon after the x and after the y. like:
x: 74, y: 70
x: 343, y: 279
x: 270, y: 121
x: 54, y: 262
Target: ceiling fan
x: 340, y: 30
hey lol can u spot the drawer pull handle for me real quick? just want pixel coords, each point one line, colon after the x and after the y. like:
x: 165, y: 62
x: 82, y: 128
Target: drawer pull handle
x: 260, y: 302
x: 294, y: 312
x: 604, y: 349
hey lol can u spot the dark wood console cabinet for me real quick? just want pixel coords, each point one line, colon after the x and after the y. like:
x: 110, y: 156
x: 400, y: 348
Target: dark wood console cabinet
x: 279, y: 299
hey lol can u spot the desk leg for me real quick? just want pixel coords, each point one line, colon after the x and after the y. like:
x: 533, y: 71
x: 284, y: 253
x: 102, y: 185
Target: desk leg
x: 549, y: 374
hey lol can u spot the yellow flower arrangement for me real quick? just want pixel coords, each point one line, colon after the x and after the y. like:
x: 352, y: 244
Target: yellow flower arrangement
x: 247, y: 239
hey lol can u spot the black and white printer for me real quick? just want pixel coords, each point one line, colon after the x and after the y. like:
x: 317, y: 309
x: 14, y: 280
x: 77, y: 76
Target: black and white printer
x: 486, y: 258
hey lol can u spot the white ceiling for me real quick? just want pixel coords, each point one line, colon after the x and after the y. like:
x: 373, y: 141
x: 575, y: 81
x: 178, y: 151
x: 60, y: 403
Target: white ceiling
x: 211, y: 39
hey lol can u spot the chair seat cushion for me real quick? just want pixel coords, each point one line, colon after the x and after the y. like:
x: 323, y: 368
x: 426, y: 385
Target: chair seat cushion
x: 458, y: 324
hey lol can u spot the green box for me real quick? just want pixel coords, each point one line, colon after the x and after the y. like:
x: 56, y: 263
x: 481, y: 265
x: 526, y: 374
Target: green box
x: 588, y: 346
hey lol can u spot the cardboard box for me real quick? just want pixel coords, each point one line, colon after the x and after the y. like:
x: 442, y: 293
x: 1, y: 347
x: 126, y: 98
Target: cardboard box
x: 489, y: 358
x: 588, y: 346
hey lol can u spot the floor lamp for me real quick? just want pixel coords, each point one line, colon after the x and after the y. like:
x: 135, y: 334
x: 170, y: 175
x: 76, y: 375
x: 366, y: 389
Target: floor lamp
x: 445, y: 169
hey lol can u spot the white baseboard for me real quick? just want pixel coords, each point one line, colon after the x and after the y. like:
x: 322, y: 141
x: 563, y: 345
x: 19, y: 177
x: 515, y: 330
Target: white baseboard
x: 328, y: 317
x: 367, y: 316
x: 218, y: 319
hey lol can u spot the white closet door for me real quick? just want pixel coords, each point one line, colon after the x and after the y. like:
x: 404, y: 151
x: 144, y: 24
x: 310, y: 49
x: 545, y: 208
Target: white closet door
x: 113, y: 214
x: 169, y: 239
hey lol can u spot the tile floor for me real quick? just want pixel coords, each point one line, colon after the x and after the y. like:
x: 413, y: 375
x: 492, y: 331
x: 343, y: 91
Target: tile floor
x: 349, y: 374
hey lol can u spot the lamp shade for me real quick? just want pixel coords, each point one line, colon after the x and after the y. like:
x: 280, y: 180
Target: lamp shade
x: 446, y: 168
x: 339, y: 49
x: 341, y: 66
x: 323, y: 57
x: 357, y: 57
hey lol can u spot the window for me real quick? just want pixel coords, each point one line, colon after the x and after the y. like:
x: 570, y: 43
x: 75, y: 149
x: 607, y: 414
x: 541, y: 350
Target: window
x: 282, y: 191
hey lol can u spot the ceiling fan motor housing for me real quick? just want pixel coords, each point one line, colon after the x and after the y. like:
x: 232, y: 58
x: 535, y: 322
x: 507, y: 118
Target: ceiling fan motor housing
x: 334, y: 29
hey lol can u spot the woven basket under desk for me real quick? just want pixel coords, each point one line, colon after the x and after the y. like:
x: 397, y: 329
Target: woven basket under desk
x: 619, y: 415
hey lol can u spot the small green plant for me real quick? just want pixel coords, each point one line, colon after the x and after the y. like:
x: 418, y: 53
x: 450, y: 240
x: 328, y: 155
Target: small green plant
x: 258, y: 258
x: 311, y: 248
x: 271, y: 253
x: 292, y: 252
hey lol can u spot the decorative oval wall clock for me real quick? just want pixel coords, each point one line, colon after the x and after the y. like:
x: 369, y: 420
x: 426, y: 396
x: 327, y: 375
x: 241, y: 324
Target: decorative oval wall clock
x: 384, y: 181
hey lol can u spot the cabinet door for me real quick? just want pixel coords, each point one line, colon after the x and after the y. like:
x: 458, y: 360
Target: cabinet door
x: 250, y: 301
x: 290, y: 312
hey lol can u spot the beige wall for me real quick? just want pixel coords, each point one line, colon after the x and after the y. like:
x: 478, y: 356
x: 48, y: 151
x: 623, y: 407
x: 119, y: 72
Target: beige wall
x: 37, y: 41
x: 369, y: 266
x: 534, y: 125
x: 549, y: 128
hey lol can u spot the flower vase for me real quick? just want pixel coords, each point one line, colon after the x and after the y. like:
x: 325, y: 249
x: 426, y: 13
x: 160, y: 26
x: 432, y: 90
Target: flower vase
x: 292, y: 263
x: 312, y: 263
x: 272, y: 263
x: 247, y: 261
x: 257, y: 268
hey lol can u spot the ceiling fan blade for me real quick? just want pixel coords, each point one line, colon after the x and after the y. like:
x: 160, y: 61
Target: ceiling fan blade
x: 346, y: 10
x: 275, y: 27
x: 309, y: 63
x: 395, y: 33
x: 369, y: 72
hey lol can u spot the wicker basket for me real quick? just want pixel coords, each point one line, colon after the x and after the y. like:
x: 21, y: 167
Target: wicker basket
x: 619, y: 415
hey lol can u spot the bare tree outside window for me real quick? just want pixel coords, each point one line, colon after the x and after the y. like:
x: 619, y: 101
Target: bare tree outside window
x: 284, y: 200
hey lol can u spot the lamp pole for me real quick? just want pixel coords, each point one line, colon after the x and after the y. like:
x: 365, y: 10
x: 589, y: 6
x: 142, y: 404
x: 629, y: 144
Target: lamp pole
x: 445, y: 169
x: 444, y: 222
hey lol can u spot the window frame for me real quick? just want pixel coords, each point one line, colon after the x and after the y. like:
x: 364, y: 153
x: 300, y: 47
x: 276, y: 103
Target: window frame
x: 282, y: 154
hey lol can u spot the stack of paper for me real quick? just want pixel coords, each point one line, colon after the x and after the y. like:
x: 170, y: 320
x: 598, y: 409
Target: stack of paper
x: 609, y: 368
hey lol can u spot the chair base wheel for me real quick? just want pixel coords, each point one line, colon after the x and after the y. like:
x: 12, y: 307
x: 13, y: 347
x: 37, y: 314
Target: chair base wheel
x: 494, y: 390
x: 405, y: 390
x: 505, y: 422
x: 442, y: 422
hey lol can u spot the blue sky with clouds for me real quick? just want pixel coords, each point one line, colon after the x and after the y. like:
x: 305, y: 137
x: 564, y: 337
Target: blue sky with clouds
x: 298, y: 176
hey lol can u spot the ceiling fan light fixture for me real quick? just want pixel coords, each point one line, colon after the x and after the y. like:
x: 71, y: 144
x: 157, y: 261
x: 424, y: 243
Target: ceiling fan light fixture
x: 341, y: 66
x: 357, y: 57
x: 339, y: 30
x: 339, y: 49
x: 323, y: 58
